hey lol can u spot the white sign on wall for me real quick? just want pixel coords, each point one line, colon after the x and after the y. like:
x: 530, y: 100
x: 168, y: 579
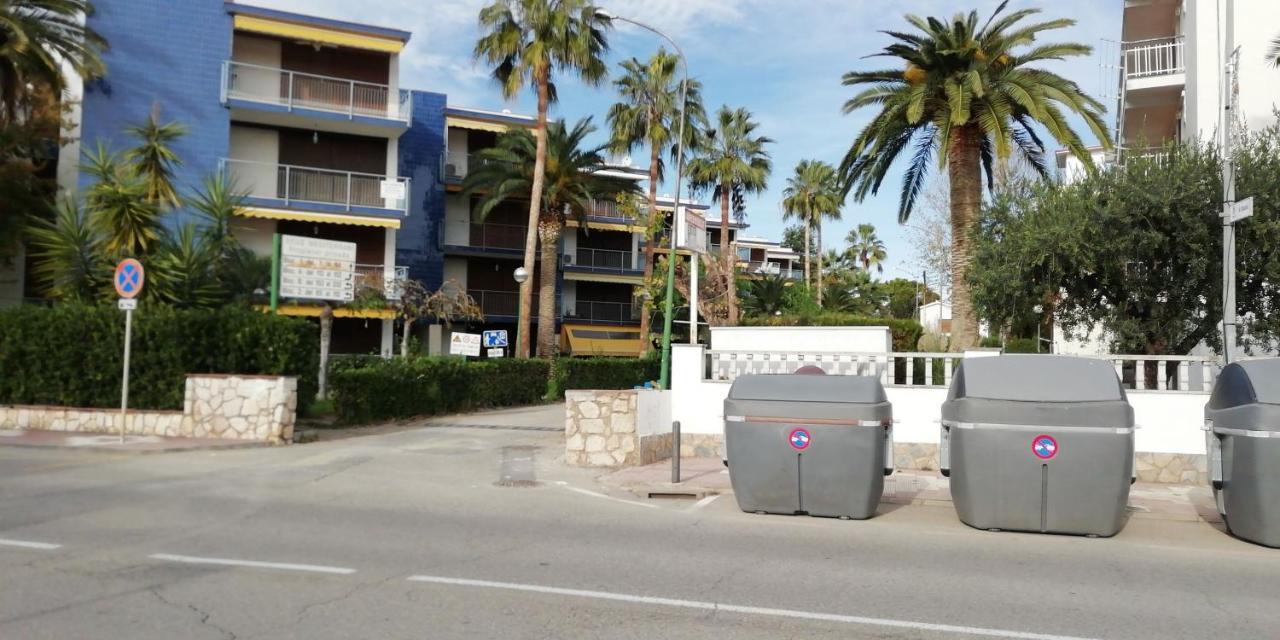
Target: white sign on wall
x: 391, y: 190
x: 691, y: 231
x: 464, y: 344
x: 315, y: 269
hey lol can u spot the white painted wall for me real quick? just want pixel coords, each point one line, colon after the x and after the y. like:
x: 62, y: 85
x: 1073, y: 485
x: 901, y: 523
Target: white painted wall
x: 653, y: 412
x: 457, y: 220
x: 932, y: 315
x: 264, y: 52
x: 821, y: 339
x: 260, y: 147
x: 255, y: 234
x: 568, y: 296
x: 455, y: 269
x: 1255, y: 23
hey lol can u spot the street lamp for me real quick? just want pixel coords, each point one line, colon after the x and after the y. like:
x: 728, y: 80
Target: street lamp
x: 519, y: 275
x: 675, y: 209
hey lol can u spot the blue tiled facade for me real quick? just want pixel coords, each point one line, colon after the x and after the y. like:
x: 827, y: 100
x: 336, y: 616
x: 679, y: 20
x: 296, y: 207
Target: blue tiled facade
x: 164, y: 54
x: 418, y: 244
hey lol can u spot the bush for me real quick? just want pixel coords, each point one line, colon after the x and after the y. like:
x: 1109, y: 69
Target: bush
x: 1022, y: 345
x: 399, y: 388
x: 600, y: 373
x: 905, y: 333
x: 990, y: 342
x: 71, y: 355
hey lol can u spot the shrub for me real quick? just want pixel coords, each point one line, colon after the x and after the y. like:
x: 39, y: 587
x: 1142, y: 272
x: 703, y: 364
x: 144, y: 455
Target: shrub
x: 600, y: 373
x: 990, y: 342
x: 71, y: 354
x: 403, y: 388
x: 905, y: 333
x: 1022, y: 345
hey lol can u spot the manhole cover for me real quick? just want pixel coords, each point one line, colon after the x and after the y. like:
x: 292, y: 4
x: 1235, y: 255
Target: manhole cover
x: 517, y: 469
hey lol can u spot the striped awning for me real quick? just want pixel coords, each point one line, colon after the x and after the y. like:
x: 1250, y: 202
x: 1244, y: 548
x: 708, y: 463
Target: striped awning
x: 478, y: 125
x: 313, y: 311
x: 329, y: 218
x: 317, y: 33
x: 601, y: 340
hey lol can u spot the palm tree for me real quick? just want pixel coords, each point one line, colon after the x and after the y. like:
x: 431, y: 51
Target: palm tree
x: 812, y: 190
x: 509, y: 171
x: 119, y: 210
x: 967, y: 95
x: 184, y: 265
x: 36, y: 38
x: 68, y: 262
x: 867, y: 248
x: 731, y: 163
x: 524, y: 40
x: 1273, y: 54
x: 647, y: 116
x: 154, y: 159
x: 766, y: 296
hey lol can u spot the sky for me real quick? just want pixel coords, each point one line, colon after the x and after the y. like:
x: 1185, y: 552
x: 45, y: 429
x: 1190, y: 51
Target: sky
x: 780, y: 59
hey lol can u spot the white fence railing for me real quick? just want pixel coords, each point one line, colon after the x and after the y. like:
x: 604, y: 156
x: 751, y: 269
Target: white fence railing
x: 292, y: 183
x: 293, y: 89
x: 1190, y: 374
x: 1154, y: 57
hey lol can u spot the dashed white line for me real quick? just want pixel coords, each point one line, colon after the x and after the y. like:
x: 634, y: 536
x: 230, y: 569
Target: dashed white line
x: 28, y: 544
x: 594, y: 494
x: 703, y: 502
x: 748, y: 610
x: 253, y: 564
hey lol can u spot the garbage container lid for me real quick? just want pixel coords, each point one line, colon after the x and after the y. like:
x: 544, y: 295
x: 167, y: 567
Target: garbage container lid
x: 808, y: 388
x: 1036, y: 378
x: 1246, y: 396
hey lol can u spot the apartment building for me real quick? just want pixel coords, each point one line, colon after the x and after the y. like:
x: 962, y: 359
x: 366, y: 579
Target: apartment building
x: 1170, y: 63
x: 307, y: 117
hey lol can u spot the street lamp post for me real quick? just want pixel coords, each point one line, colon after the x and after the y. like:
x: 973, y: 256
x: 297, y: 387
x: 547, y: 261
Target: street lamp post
x: 519, y: 275
x: 665, y: 378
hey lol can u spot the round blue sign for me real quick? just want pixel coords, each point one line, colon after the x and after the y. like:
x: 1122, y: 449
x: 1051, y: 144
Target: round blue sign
x: 1044, y: 447
x: 799, y: 439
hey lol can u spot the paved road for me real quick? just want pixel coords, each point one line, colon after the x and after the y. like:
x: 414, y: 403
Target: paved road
x: 430, y: 533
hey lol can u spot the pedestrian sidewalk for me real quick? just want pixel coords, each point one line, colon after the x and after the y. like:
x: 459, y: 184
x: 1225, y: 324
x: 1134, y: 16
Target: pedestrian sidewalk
x: 707, y: 476
x: 111, y: 442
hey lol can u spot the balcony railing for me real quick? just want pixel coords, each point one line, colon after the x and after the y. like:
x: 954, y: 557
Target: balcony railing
x: 606, y: 311
x: 774, y: 269
x: 385, y: 279
x: 500, y: 303
x: 293, y: 89
x: 607, y: 259
x: 1154, y: 57
x: 456, y: 165
x: 292, y: 184
x: 484, y: 235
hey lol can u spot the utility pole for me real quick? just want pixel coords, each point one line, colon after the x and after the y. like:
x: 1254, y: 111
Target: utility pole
x: 1230, y: 57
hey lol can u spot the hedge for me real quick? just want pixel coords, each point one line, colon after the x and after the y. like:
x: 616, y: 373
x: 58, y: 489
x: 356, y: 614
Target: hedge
x: 400, y: 388
x: 905, y: 333
x: 71, y: 354
x: 600, y: 373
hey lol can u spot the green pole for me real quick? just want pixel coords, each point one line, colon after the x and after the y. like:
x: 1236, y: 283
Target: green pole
x: 275, y: 273
x: 667, y: 312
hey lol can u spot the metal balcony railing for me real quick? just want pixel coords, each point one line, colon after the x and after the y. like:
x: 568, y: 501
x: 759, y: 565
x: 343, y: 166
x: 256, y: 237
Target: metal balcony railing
x: 606, y: 311
x: 1154, y: 57
x: 484, y: 235
x: 294, y: 89
x: 292, y: 183
x: 610, y: 259
x: 385, y: 279
x: 774, y: 269
x: 501, y: 303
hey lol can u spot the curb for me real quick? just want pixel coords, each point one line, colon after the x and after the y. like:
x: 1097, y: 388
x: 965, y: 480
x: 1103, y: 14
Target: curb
x: 137, y: 452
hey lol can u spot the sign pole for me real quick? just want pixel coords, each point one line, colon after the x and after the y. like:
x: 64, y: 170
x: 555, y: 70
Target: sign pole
x: 693, y: 297
x: 275, y: 273
x: 124, y: 388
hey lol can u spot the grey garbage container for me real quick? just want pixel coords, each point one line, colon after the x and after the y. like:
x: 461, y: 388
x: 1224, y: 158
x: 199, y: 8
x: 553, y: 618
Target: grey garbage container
x: 1243, y: 424
x: 1038, y: 443
x: 811, y: 444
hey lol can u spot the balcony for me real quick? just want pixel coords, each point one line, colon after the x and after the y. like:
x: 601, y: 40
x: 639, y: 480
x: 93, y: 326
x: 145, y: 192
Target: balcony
x: 620, y: 312
x: 488, y: 237
x: 456, y: 165
x: 501, y: 303
x: 605, y: 260
x: 774, y: 269
x: 323, y: 190
x: 1156, y: 62
x: 386, y: 280
x: 324, y: 97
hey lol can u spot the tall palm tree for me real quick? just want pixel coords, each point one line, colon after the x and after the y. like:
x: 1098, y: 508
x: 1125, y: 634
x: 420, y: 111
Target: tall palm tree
x: 867, y: 248
x: 965, y: 94
x: 648, y: 116
x: 509, y: 171
x: 524, y: 40
x: 812, y: 190
x: 36, y: 38
x: 732, y: 162
x: 127, y: 221
x: 1273, y: 54
x: 154, y: 159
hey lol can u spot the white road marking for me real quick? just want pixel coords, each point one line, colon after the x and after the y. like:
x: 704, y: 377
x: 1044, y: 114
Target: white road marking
x: 703, y: 502
x: 593, y: 494
x: 732, y: 608
x: 228, y: 562
x: 27, y: 544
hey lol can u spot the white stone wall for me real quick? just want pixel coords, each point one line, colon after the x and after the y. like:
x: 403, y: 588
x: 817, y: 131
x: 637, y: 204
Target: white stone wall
x: 230, y: 407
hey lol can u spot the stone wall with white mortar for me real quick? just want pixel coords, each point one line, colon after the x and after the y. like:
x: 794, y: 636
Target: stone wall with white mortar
x: 231, y: 407
x: 616, y: 428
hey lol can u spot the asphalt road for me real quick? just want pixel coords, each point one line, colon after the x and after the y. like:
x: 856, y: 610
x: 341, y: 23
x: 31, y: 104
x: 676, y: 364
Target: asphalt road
x: 418, y: 534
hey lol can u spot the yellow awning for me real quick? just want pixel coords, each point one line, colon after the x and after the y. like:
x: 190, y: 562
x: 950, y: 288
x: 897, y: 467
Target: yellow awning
x: 311, y: 216
x: 313, y: 311
x: 313, y: 33
x: 478, y: 125
x: 608, y: 226
x: 600, y: 340
x: 603, y: 277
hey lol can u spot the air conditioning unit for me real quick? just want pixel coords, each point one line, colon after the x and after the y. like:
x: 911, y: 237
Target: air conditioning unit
x: 567, y: 259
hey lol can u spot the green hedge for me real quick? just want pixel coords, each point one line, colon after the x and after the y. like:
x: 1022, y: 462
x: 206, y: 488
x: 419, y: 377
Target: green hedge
x: 71, y: 355
x: 400, y: 388
x: 905, y: 333
x: 1022, y: 345
x: 600, y: 373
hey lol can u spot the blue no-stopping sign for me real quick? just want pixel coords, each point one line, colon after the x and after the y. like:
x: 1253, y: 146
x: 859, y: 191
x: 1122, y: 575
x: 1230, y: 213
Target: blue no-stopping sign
x: 799, y: 439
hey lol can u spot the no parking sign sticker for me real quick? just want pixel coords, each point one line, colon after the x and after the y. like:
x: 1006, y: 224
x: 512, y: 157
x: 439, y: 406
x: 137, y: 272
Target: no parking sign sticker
x: 799, y: 439
x: 1044, y: 447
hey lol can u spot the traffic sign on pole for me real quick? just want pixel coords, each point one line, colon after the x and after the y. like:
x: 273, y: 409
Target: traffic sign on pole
x: 128, y: 280
x: 129, y: 277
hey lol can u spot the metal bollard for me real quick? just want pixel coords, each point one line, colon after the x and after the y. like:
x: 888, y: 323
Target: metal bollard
x: 675, y: 452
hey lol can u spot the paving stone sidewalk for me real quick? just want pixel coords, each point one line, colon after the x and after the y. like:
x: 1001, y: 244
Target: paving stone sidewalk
x: 111, y: 443
x: 705, y: 476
